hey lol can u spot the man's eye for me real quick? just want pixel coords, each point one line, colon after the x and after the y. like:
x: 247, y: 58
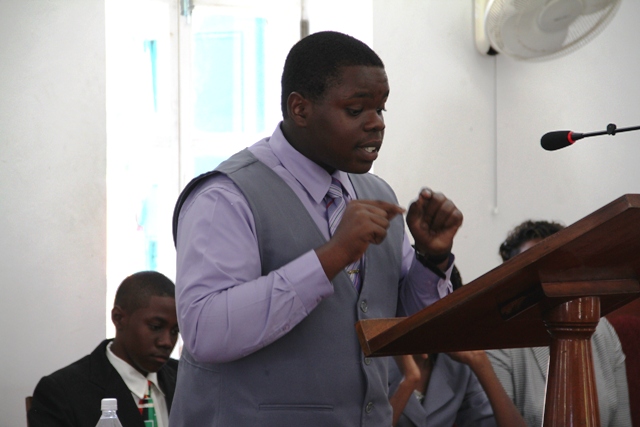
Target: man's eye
x: 155, y: 327
x: 381, y: 110
x: 354, y: 112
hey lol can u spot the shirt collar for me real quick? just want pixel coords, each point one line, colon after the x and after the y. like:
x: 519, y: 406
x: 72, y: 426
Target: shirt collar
x: 309, y: 174
x: 134, y: 380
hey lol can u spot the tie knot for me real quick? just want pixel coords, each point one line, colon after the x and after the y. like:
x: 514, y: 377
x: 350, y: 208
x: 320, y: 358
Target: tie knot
x: 335, y: 189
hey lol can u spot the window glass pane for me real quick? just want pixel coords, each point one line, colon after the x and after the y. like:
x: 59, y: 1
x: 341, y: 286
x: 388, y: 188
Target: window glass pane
x: 223, y: 84
x: 217, y: 76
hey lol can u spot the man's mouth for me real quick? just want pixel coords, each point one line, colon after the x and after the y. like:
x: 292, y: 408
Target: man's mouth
x: 161, y: 357
x: 370, y: 149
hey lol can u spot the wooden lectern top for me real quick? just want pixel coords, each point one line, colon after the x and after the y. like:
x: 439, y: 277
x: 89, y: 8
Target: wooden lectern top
x: 598, y: 255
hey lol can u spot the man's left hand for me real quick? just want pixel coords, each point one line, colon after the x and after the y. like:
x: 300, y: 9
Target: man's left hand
x: 433, y: 221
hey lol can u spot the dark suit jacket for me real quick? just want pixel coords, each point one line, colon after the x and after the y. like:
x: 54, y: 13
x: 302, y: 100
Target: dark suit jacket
x: 71, y: 396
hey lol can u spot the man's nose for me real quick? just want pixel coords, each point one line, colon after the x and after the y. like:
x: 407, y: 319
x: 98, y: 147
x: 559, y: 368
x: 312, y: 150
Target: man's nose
x: 375, y: 122
x: 166, y: 339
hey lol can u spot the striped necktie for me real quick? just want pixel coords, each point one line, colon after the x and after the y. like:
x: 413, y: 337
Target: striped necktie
x: 336, y: 204
x: 147, y: 409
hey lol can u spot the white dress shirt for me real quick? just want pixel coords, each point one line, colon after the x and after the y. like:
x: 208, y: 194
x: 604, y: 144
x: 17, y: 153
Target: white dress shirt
x: 137, y: 384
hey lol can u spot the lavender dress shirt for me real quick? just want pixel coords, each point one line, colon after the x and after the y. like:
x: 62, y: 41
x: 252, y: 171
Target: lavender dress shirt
x: 226, y: 308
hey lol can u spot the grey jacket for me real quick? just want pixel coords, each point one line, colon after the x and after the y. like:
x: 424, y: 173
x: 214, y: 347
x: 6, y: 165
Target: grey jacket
x: 454, y: 396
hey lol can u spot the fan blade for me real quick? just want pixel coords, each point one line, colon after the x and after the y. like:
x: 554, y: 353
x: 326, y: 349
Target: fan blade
x: 523, y: 38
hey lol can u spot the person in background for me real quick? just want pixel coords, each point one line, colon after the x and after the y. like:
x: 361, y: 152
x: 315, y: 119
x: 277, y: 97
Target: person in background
x: 440, y: 390
x: 134, y: 367
x: 523, y: 371
x: 287, y: 244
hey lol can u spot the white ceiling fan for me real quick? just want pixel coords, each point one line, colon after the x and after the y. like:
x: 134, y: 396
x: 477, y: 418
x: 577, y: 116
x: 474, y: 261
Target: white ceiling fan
x: 533, y: 30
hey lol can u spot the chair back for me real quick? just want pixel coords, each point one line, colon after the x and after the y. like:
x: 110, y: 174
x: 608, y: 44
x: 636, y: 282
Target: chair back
x: 27, y: 402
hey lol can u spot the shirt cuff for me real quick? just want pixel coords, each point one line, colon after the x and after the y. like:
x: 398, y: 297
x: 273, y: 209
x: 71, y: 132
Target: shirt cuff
x: 309, y: 280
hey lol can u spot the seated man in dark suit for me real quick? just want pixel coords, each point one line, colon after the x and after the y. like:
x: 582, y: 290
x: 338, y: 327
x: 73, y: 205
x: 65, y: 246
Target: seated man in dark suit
x: 134, y: 367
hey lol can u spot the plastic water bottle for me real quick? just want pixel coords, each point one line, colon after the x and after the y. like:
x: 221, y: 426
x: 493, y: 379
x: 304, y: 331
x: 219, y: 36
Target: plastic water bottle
x: 109, y: 417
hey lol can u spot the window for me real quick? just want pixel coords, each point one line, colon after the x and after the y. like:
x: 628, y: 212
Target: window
x: 182, y: 95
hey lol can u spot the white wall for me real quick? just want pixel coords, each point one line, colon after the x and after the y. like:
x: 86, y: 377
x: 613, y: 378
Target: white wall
x: 355, y: 17
x: 453, y: 115
x: 448, y: 123
x: 52, y: 190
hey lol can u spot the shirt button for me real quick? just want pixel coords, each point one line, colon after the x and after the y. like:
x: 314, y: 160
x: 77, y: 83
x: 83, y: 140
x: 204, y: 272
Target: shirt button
x: 367, y: 361
x: 369, y: 408
x: 363, y: 306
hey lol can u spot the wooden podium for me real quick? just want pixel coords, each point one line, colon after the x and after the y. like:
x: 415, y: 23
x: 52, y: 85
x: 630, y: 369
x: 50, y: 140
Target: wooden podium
x: 550, y: 295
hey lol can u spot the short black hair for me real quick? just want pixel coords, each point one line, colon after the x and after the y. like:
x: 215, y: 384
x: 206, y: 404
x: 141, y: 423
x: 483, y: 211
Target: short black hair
x: 137, y: 289
x: 527, y: 231
x: 314, y: 63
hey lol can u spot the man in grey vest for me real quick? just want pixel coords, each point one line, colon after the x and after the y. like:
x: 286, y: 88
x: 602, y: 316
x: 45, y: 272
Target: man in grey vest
x: 287, y: 244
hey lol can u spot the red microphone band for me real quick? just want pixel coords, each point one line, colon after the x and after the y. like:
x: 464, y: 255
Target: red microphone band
x: 570, y: 137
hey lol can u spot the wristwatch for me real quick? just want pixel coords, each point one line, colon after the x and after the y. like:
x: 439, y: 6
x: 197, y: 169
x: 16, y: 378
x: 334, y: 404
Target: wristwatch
x: 432, y: 262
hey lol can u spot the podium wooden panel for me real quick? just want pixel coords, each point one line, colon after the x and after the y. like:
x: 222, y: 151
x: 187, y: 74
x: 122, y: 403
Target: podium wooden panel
x: 550, y: 295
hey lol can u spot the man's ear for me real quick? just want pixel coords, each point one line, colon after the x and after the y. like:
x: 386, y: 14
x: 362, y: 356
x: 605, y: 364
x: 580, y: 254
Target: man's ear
x: 118, y: 317
x: 298, y: 108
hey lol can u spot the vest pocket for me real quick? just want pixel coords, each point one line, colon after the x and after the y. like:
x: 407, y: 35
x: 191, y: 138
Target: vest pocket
x: 299, y: 414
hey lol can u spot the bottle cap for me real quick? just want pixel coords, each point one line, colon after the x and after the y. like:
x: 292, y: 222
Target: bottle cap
x: 109, y: 404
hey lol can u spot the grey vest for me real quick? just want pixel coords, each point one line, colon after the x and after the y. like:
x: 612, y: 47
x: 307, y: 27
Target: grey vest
x: 316, y: 374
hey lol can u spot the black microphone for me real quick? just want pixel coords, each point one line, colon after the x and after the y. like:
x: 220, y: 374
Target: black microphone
x: 559, y: 139
x: 563, y: 138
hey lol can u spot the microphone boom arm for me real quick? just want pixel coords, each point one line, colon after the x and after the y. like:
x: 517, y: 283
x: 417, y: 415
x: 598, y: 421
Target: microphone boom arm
x: 611, y: 130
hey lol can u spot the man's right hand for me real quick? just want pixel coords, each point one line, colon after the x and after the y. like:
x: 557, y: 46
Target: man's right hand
x: 364, y: 222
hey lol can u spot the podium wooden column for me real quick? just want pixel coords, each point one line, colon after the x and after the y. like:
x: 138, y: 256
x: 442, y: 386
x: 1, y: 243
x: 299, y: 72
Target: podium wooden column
x: 550, y: 295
